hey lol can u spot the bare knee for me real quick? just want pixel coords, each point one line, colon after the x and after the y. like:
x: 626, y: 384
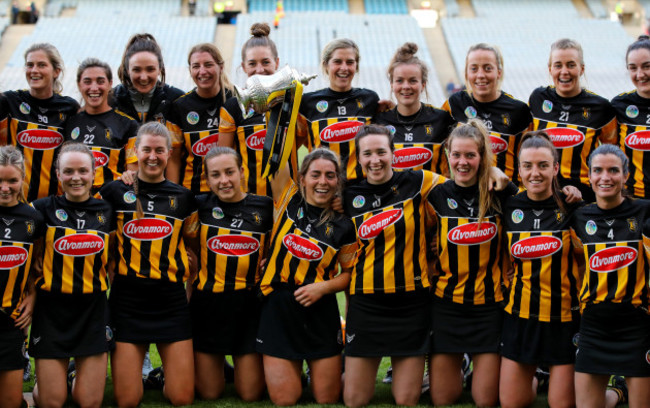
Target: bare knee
x: 130, y: 401
x: 355, y: 400
x: 208, y: 392
x: 181, y: 398
x: 284, y: 399
x: 445, y: 396
x: 561, y: 401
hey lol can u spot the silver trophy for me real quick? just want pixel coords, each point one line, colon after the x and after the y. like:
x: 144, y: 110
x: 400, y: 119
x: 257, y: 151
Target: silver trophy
x: 260, y: 87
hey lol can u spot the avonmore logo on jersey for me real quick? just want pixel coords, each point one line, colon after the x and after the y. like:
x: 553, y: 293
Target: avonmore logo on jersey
x: 536, y: 247
x: 471, y: 234
x: 39, y: 139
x: 233, y: 245
x: 409, y: 157
x: 563, y: 138
x: 341, y: 131
x: 12, y: 257
x: 101, y: 158
x: 79, y: 245
x: 498, y: 145
x: 256, y: 140
x: 203, y: 146
x: 612, y: 259
x: 374, y: 225
x: 302, y: 248
x: 147, y: 229
x: 638, y: 140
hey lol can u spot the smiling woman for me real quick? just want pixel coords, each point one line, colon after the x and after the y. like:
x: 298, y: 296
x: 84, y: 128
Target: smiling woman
x: 109, y: 133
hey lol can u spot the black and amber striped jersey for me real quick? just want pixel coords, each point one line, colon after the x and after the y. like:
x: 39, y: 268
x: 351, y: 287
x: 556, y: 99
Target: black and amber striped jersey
x: 333, y: 119
x: 20, y: 227
x: 418, y: 138
x: 304, y: 249
x: 546, y: 277
x: 390, y: 223
x: 76, y: 245
x: 160, y: 103
x: 612, y: 240
x: 469, y: 263
x: 576, y: 126
x: 36, y: 126
x: 110, y: 136
x: 250, y: 135
x: 506, y: 118
x: 194, y: 122
x: 633, y: 118
x: 233, y: 239
x: 152, y: 246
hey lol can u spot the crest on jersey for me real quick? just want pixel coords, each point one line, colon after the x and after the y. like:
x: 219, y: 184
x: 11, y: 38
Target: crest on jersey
x: 107, y: 134
x: 329, y: 229
x: 75, y: 133
x: 321, y: 106
x: 547, y: 106
x: 428, y: 129
x: 101, y: 218
x: 632, y: 224
x: 394, y: 190
x: 559, y: 216
x: 61, y: 116
x: 517, y: 216
x: 29, y: 225
x: 217, y: 213
x: 359, y: 104
x: 470, y: 112
x: 505, y: 118
x: 61, y: 214
x: 192, y: 118
x: 392, y: 129
x: 301, y: 213
x: 358, y: 201
x: 173, y: 202
x: 632, y: 111
x: 257, y: 218
x: 591, y: 227
x: 586, y: 113
x: 25, y: 108
x: 452, y: 203
x: 129, y: 197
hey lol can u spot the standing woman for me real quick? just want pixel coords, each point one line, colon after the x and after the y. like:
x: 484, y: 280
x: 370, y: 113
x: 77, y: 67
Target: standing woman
x: 505, y: 117
x: 466, y: 309
x: 419, y: 129
x: 71, y: 311
x: 194, y: 119
x: 143, y: 93
x: 576, y: 120
x: 108, y: 133
x: 33, y: 120
x: 388, y: 309
x: 615, y: 328
x: 18, y: 242
x: 332, y: 116
x: 300, y: 316
x: 148, y: 302
x: 541, y: 313
x: 259, y: 56
x: 632, y: 113
x: 230, y: 241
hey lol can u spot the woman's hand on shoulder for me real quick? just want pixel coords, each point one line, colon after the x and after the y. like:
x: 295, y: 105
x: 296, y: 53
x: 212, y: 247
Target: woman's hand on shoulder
x: 128, y: 177
x: 572, y: 193
x: 498, y: 179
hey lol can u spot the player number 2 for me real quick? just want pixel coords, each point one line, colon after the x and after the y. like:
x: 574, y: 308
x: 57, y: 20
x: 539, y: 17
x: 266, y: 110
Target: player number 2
x: 7, y: 233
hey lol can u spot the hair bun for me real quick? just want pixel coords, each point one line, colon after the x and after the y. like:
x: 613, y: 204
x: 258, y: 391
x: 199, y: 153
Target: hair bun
x: 406, y: 51
x: 643, y: 37
x: 260, y: 30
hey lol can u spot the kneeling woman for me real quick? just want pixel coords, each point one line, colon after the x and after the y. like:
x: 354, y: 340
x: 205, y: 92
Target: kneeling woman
x: 615, y: 327
x: 71, y: 311
x: 300, y: 316
x: 230, y: 242
x: 21, y: 236
x: 148, y: 301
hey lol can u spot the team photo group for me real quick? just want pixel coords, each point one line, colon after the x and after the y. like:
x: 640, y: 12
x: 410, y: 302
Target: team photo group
x: 510, y: 238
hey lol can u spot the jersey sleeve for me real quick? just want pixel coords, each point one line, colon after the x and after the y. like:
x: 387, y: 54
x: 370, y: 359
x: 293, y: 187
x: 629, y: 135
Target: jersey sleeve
x: 174, y: 128
x: 348, y: 252
x: 226, y: 121
x: 4, y: 115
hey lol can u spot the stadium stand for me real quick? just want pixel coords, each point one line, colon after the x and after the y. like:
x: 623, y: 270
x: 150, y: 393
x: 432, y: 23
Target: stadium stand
x: 526, y: 43
x: 256, y: 6
x: 597, y: 8
x: 385, y: 6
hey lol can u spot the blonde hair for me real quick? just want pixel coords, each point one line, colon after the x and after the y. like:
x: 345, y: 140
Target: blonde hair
x: 55, y: 59
x: 497, y: 56
x: 337, y: 44
x: 224, y: 82
x: 11, y: 156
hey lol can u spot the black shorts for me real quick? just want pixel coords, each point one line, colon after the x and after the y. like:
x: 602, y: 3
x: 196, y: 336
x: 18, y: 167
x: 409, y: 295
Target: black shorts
x: 614, y: 340
x: 147, y: 311
x: 12, y: 341
x: 226, y: 322
x: 529, y: 341
x: 294, y: 332
x: 464, y: 328
x: 66, y: 326
x: 395, y: 325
